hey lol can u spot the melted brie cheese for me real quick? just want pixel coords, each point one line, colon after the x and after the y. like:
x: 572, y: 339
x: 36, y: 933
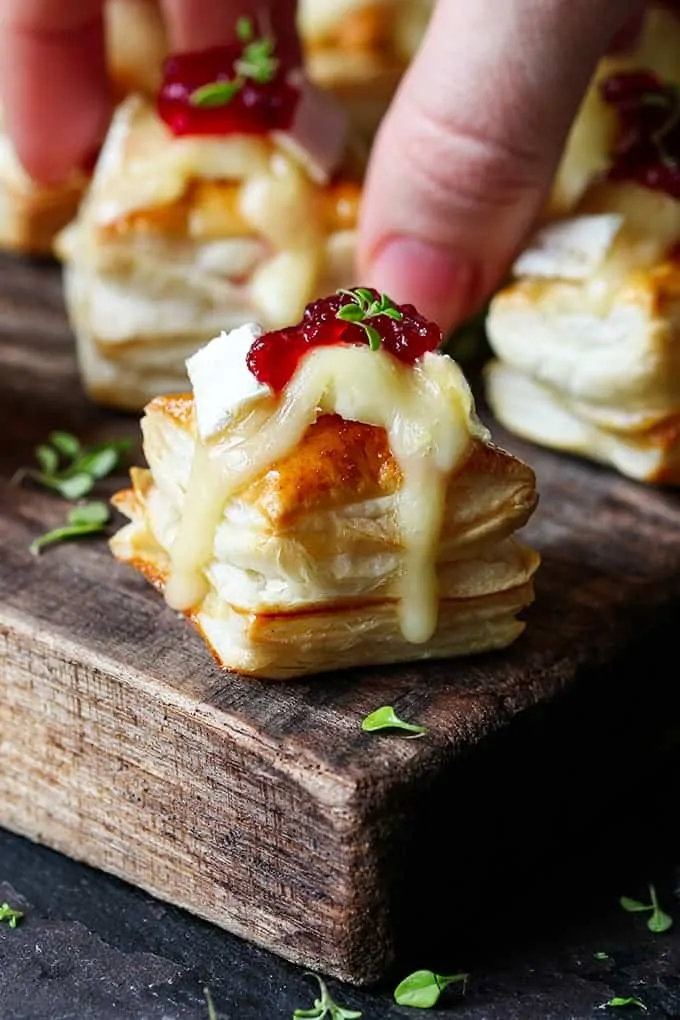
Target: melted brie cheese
x: 428, y: 414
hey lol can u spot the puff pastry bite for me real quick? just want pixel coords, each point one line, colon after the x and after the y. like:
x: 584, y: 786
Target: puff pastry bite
x: 328, y: 498
x: 229, y: 200
x: 587, y: 154
x: 587, y: 337
x: 359, y: 49
x: 32, y: 214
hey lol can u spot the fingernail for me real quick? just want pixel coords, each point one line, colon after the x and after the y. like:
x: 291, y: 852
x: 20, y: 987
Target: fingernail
x: 433, y: 279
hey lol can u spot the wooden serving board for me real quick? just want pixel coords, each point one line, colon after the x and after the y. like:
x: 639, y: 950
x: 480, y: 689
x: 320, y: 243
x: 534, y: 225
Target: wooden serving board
x: 263, y: 807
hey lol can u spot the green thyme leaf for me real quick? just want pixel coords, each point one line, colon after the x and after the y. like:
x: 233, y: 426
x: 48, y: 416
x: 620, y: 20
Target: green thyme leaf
x: 364, y: 306
x: 601, y: 956
x: 659, y: 921
x: 373, y: 337
x: 258, y: 61
x: 71, y: 469
x: 634, y: 906
x: 75, y: 487
x: 215, y: 93
x: 350, y: 313
x: 423, y: 988
x: 87, y: 519
x: 244, y: 30
x: 385, y: 718
x: 47, y: 458
x: 212, y: 1012
x: 10, y: 915
x: 620, y: 1000
x: 326, y: 1007
x: 65, y: 443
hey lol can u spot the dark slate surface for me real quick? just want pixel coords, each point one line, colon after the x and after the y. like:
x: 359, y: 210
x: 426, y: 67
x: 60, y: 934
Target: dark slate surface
x: 92, y: 948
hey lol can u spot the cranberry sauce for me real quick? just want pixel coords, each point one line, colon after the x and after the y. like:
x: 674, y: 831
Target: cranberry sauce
x: 360, y: 317
x: 241, y: 88
x: 648, y: 148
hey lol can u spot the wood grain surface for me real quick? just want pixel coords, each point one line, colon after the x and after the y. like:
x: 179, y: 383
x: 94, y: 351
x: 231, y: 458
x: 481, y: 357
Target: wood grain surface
x: 263, y: 807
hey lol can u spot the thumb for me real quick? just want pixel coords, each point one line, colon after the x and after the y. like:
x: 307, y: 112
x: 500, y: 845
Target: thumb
x: 467, y: 152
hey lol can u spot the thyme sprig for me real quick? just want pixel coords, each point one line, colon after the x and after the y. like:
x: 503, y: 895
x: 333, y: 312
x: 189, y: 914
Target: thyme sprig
x: 85, y: 519
x: 71, y: 469
x: 658, y: 921
x: 365, y: 306
x: 10, y: 915
x: 256, y: 63
x: 326, y: 1007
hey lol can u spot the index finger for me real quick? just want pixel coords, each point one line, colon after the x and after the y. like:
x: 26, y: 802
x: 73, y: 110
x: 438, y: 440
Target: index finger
x: 53, y: 83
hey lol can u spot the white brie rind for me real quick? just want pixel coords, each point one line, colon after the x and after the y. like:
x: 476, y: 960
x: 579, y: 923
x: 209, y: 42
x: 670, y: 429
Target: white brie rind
x: 307, y: 561
x: 179, y: 238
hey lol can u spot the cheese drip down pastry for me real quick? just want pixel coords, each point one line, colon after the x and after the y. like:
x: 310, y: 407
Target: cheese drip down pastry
x: 232, y: 198
x: 359, y: 50
x: 328, y: 498
x: 32, y: 214
x: 587, y: 336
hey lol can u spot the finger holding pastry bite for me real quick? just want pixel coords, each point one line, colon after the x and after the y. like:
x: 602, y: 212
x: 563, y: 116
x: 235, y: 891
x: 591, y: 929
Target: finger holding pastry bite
x: 232, y: 196
x: 466, y: 153
x: 327, y: 497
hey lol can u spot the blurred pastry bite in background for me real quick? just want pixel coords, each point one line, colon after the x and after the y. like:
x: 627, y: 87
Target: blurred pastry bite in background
x: 31, y: 214
x: 232, y: 197
x: 587, y: 336
x: 359, y: 50
x: 594, y: 134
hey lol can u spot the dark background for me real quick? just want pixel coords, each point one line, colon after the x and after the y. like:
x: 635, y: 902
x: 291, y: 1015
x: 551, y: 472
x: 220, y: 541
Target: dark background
x: 90, y: 946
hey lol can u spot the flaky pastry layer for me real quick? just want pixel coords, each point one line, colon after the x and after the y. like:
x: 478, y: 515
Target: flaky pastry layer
x: 649, y: 452
x: 612, y: 346
x: 307, y: 560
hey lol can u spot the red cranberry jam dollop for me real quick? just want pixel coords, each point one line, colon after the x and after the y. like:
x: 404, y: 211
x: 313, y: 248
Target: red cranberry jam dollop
x: 648, y: 148
x: 246, y: 106
x: 400, y: 329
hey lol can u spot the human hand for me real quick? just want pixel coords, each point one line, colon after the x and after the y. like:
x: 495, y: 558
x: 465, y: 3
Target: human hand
x: 53, y: 80
x: 466, y: 154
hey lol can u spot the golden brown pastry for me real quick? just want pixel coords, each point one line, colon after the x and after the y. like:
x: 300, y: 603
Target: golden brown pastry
x: 32, y: 214
x: 587, y: 337
x: 322, y: 502
x: 359, y: 50
x: 201, y: 217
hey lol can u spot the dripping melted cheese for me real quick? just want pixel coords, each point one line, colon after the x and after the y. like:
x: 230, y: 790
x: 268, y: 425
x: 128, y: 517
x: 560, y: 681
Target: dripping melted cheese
x: 428, y: 413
